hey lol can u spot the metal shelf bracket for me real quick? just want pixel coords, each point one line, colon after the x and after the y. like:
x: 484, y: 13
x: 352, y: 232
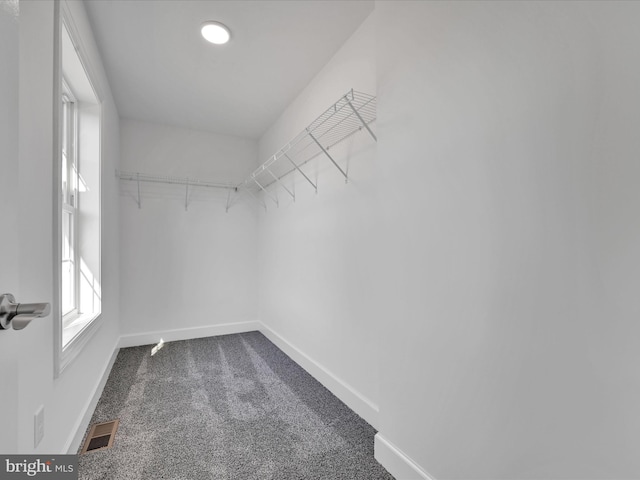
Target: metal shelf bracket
x: 324, y: 150
x: 364, y: 124
x: 315, y: 187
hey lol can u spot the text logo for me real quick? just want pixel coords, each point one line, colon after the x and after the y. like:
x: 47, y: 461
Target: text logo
x: 51, y: 467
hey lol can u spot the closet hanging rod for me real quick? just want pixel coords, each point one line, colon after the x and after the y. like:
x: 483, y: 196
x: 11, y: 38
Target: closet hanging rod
x: 192, y: 182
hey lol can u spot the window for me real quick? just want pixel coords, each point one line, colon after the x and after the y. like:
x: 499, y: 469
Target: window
x: 69, y: 177
x: 79, y: 263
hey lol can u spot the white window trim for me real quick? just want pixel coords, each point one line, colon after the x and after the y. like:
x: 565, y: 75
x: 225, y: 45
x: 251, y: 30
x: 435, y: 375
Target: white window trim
x: 63, y: 357
x: 72, y: 152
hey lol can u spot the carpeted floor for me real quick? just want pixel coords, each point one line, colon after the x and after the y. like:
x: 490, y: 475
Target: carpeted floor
x: 226, y: 408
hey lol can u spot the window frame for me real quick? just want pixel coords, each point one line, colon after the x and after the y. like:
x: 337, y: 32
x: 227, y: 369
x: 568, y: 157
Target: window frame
x: 87, y: 323
x: 70, y: 193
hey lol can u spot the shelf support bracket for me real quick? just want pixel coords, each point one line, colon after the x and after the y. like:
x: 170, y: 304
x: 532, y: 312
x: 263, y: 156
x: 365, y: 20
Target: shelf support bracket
x: 293, y: 195
x: 302, y: 173
x: 265, y: 191
x: 257, y: 199
x: 361, y: 119
x: 229, y: 200
x: 346, y: 178
x: 138, y: 181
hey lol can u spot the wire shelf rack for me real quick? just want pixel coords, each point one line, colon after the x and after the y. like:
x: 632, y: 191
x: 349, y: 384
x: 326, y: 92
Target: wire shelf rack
x: 188, y: 183
x: 353, y: 112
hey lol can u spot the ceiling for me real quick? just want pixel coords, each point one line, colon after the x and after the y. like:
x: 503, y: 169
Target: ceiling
x: 161, y: 70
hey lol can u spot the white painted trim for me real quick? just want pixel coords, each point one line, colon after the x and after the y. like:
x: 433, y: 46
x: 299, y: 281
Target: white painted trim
x: 73, y: 443
x: 83, y: 52
x: 64, y: 356
x: 151, y: 338
x: 77, y: 344
x: 396, y: 461
x: 346, y: 393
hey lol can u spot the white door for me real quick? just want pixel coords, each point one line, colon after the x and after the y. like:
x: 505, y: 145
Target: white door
x: 9, y: 242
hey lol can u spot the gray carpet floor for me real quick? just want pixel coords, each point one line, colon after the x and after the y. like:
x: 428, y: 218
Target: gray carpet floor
x: 226, y: 408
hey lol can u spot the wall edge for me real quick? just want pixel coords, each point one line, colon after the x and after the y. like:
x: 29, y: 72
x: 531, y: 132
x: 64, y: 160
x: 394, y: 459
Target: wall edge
x: 357, y: 402
x: 149, y: 338
x: 397, y: 463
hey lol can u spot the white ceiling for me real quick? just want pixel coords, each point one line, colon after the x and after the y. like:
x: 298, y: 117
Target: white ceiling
x: 161, y: 70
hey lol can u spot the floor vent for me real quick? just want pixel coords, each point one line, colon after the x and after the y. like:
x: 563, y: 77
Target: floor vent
x: 100, y: 436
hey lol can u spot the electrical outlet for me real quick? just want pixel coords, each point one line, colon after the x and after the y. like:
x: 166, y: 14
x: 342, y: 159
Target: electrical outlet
x: 38, y: 426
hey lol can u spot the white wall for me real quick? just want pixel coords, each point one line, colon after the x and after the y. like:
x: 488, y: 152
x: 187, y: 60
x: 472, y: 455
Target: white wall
x: 614, y: 341
x: 318, y: 256
x: 508, y: 142
x: 66, y: 398
x: 188, y: 270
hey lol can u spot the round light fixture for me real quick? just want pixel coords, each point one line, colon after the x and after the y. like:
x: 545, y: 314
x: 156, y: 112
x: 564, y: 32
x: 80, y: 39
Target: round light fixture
x: 215, y: 32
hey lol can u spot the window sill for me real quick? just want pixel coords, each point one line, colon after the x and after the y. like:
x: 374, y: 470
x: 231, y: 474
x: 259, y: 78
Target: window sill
x: 81, y: 330
x: 74, y: 325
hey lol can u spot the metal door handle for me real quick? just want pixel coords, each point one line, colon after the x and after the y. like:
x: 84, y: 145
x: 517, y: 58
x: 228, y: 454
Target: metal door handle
x: 19, y: 315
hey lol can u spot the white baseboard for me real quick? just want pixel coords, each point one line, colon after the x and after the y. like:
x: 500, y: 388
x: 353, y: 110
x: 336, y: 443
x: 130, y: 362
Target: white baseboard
x: 73, y: 443
x: 351, y: 397
x: 150, y: 338
x: 396, y: 462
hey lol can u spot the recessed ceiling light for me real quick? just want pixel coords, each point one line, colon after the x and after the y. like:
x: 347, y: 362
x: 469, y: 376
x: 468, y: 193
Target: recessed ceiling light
x: 215, y: 32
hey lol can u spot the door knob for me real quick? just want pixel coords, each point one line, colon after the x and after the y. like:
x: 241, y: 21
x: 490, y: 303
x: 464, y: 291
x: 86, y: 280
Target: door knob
x: 19, y: 315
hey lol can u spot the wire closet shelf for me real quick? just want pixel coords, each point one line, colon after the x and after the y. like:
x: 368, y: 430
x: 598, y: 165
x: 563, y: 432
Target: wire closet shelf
x: 188, y: 183
x: 352, y: 113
